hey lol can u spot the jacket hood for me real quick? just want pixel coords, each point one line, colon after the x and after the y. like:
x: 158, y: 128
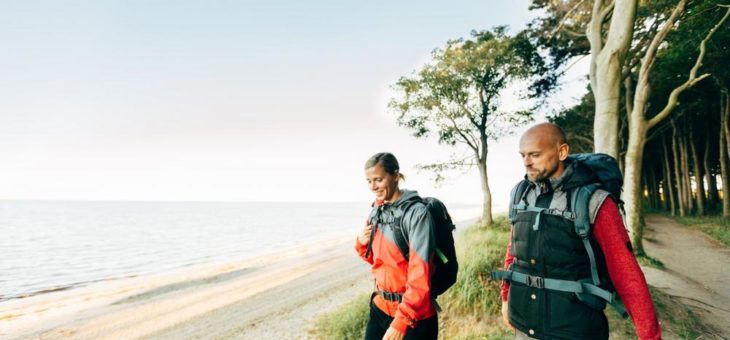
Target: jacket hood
x: 576, y: 174
x: 405, y: 196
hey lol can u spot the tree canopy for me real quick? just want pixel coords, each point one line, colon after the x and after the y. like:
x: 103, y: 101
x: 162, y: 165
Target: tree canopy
x: 456, y: 96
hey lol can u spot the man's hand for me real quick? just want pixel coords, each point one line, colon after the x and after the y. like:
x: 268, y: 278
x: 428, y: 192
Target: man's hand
x: 505, y: 315
x: 393, y: 334
x: 364, y: 237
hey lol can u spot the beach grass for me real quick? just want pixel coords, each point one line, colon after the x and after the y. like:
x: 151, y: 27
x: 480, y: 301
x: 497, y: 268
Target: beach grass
x: 347, y: 322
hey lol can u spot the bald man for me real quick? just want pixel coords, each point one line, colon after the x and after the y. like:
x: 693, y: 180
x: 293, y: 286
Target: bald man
x: 548, y: 267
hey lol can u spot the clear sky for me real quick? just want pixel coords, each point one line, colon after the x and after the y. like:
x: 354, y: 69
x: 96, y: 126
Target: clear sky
x: 224, y: 100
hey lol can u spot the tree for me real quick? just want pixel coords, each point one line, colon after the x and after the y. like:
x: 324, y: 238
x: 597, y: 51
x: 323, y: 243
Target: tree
x: 665, y: 32
x: 639, y: 124
x: 456, y: 96
x: 603, y: 30
x: 607, y: 61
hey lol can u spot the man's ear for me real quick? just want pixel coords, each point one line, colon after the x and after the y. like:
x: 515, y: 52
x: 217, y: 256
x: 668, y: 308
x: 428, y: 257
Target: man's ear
x: 563, y: 151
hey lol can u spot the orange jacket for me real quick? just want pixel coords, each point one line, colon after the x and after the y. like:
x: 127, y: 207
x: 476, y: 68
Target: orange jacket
x: 393, y: 273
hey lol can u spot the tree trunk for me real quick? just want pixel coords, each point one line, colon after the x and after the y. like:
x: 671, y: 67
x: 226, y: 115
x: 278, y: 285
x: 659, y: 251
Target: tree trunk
x: 685, y: 174
x: 606, y: 65
x: 680, y: 194
x: 632, y: 185
x: 486, y: 192
x: 725, y: 115
x: 724, y: 172
x: 712, y: 196
x: 723, y: 159
x: 698, y: 175
x: 650, y: 187
x: 669, y: 190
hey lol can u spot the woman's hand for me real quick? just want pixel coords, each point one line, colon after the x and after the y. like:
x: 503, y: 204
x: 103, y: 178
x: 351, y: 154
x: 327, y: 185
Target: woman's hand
x: 393, y: 334
x: 364, y: 237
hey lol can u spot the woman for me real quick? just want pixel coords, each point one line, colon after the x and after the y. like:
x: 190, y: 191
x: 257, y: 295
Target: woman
x: 401, y: 306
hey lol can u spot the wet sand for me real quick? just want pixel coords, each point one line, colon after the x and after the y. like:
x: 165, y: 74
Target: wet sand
x: 276, y: 295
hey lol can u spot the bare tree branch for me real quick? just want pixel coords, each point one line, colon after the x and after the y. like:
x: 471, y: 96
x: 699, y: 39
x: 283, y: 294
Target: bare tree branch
x: 565, y: 18
x: 693, y: 78
x: 606, y: 11
x: 650, y: 55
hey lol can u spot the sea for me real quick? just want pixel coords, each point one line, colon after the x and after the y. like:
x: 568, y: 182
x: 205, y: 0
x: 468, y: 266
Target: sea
x: 48, y: 246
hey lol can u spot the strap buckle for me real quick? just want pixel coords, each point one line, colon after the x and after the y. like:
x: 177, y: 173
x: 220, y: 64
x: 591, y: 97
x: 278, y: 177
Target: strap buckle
x: 535, y: 281
x: 390, y: 296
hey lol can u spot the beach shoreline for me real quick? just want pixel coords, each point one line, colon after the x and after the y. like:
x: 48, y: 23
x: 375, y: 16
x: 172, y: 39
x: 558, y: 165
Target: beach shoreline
x: 172, y: 304
x: 279, y: 295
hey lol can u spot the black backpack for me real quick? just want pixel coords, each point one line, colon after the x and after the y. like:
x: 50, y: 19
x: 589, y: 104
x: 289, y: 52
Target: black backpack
x: 446, y: 264
x: 606, y: 175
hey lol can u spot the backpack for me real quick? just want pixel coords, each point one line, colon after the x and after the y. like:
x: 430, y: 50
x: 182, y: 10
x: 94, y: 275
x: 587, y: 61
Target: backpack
x: 445, y: 262
x: 607, y: 176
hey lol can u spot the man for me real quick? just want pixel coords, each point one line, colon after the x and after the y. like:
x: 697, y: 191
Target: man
x: 546, y: 259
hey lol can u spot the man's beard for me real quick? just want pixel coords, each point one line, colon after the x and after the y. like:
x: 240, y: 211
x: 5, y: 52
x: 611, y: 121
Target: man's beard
x: 544, y: 174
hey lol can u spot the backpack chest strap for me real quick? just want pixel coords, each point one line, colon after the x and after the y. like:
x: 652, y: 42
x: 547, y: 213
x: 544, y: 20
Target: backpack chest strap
x: 522, y: 207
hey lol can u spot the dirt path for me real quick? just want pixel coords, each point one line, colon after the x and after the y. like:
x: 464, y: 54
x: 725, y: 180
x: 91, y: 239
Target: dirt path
x: 696, y: 270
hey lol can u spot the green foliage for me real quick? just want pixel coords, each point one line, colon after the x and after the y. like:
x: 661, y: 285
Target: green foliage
x: 577, y: 123
x: 479, y: 251
x: 347, y: 322
x: 456, y: 96
x: 560, y: 27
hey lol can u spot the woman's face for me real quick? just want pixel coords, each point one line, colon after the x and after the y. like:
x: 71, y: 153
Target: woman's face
x: 381, y: 183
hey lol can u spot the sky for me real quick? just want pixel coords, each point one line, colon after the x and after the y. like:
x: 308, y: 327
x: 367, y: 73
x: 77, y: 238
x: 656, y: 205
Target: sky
x: 228, y: 100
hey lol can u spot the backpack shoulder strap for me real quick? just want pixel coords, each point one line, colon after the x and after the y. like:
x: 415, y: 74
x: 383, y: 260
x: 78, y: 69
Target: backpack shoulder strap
x: 374, y: 220
x: 516, y: 197
x: 401, y: 239
x: 579, y: 201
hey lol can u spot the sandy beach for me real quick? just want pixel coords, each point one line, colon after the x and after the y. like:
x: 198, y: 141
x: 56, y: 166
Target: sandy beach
x: 275, y: 295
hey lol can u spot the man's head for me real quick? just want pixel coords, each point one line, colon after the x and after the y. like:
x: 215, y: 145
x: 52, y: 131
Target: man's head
x: 543, y: 149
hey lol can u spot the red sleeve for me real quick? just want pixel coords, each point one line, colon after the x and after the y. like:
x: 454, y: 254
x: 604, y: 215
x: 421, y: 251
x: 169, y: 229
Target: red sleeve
x: 624, y: 271
x: 508, y: 259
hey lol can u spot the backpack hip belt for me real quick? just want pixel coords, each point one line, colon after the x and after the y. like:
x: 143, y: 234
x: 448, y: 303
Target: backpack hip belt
x: 390, y: 296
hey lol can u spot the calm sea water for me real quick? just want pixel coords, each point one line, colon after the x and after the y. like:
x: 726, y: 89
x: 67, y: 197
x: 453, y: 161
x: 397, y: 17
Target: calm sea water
x: 52, y: 245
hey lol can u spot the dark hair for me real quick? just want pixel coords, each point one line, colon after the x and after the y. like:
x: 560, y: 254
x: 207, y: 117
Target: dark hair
x: 387, y: 161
